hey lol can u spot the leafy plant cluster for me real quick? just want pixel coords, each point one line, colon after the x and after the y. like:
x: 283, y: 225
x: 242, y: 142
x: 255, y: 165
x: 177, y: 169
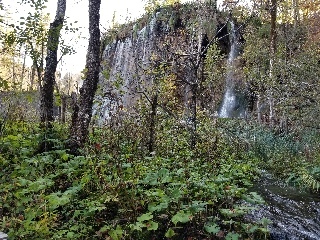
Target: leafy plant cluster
x: 295, y: 82
x: 116, y: 190
x: 291, y: 156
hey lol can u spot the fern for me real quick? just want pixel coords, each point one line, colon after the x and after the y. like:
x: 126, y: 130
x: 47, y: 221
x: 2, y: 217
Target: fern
x: 309, y: 180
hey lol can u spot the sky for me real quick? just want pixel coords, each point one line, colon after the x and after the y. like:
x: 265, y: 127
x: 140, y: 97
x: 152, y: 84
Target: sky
x: 77, y: 11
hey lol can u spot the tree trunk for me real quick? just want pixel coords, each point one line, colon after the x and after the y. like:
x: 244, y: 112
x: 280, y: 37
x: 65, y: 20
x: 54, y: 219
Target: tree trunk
x: 83, y: 109
x: 193, y: 108
x: 33, y: 73
x: 296, y: 14
x: 259, y: 109
x: 152, y: 129
x: 13, y: 71
x: 23, y: 68
x: 46, y: 106
x: 47, y: 88
x: 63, y: 108
x: 273, y: 36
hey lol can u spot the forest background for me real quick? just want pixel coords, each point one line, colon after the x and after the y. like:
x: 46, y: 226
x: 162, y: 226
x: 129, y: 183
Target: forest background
x: 156, y: 173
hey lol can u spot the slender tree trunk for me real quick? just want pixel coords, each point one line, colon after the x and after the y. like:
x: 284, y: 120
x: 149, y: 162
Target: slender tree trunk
x: 51, y: 65
x: 37, y: 68
x: 13, y: 70
x: 46, y: 105
x: 33, y: 73
x: 63, y: 108
x: 193, y: 108
x: 194, y: 90
x: 296, y: 14
x: 83, y: 109
x: 259, y: 109
x: 23, y: 67
x: 273, y: 36
x: 152, y: 129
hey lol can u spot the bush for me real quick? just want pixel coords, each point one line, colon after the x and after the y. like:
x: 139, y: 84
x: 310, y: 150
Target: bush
x: 117, y: 190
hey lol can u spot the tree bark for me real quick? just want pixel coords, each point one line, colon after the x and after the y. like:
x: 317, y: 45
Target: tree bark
x: 273, y: 36
x: 296, y: 13
x: 33, y: 73
x: 193, y: 108
x: 13, y: 71
x: 152, y: 128
x: 51, y: 65
x: 46, y: 93
x: 63, y: 108
x: 23, y: 68
x: 83, y: 108
x: 259, y: 109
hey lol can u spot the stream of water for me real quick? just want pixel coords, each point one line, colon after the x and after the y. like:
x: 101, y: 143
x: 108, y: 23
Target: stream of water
x: 295, y: 215
x: 232, y: 102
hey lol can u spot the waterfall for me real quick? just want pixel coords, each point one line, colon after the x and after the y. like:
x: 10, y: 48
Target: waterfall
x: 125, y: 62
x: 232, y: 101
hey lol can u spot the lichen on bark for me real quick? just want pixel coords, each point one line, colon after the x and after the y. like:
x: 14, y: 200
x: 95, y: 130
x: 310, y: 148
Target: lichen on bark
x: 83, y: 108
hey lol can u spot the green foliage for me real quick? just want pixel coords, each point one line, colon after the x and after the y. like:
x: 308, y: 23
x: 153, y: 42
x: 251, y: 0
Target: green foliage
x: 4, y: 84
x: 256, y: 56
x: 29, y: 35
x: 117, y: 191
x: 295, y: 68
x: 294, y: 156
x: 214, y: 82
x: 290, y: 149
x: 152, y: 5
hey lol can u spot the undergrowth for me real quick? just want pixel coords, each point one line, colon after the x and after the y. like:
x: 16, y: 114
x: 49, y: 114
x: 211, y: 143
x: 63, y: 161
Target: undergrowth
x: 293, y: 157
x: 117, y: 190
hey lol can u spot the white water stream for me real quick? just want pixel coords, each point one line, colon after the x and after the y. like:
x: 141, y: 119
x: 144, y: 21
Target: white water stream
x: 231, y: 104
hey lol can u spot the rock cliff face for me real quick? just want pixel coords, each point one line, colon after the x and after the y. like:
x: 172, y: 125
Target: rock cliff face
x: 124, y: 63
x: 173, y: 41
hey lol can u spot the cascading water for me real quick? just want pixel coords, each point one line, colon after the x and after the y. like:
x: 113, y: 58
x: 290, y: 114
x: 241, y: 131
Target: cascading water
x: 126, y: 60
x: 232, y: 101
x: 123, y: 72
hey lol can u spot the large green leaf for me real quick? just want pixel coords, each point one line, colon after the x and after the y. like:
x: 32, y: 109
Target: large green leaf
x: 145, y: 217
x: 170, y: 233
x: 152, y: 207
x: 151, y: 225
x: 232, y: 236
x: 212, y: 228
x: 182, y: 217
